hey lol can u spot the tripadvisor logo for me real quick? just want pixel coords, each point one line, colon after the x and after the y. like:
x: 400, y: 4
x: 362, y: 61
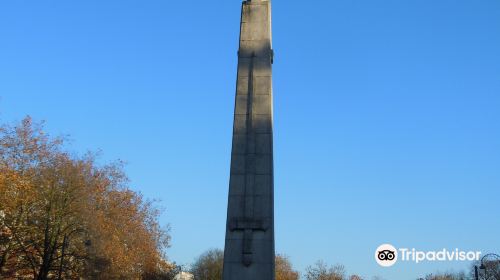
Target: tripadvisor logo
x: 387, y: 255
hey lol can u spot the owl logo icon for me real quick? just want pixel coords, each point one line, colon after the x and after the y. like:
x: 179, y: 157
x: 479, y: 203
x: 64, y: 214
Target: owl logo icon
x: 386, y: 255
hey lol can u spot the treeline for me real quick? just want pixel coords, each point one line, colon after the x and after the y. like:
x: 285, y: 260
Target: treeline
x: 209, y: 265
x: 66, y: 217
x: 490, y: 270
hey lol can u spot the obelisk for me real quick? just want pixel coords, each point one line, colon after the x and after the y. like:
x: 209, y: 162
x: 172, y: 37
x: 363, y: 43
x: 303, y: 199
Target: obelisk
x: 249, y: 248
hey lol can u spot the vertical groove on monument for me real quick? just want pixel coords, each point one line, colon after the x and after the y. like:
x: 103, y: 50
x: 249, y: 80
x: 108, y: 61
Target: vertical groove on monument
x: 249, y: 248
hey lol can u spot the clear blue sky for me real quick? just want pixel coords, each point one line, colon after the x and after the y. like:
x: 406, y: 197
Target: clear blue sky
x: 387, y: 120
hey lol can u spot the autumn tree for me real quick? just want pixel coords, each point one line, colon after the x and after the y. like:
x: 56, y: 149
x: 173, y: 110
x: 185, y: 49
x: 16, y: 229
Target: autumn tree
x: 67, y: 217
x: 284, y: 269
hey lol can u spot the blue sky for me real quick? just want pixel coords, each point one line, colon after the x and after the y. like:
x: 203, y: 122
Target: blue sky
x: 387, y: 120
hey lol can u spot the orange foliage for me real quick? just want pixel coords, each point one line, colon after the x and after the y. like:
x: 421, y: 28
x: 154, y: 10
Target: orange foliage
x: 66, y: 217
x: 284, y: 269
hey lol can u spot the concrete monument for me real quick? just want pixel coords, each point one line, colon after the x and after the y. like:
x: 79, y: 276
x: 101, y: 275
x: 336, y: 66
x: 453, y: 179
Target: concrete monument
x: 249, y: 248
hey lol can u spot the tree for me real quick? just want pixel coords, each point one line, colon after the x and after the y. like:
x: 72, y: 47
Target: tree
x: 445, y: 276
x: 321, y: 271
x: 209, y: 265
x: 491, y: 270
x: 284, y: 269
x: 66, y: 217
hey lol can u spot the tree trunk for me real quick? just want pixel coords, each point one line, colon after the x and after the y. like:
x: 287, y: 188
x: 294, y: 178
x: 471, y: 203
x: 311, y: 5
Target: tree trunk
x: 65, y: 239
x: 4, y: 258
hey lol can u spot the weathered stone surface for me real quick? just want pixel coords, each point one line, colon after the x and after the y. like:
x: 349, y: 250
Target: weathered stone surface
x: 238, y: 164
x: 237, y: 184
x: 260, y: 271
x: 263, y: 143
x: 262, y: 104
x: 241, y: 105
x: 262, y: 85
x: 260, y: 67
x: 263, y: 123
x: 262, y: 248
x: 249, y: 248
x: 263, y: 164
x: 264, y: 185
x: 260, y: 48
x: 239, y: 124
